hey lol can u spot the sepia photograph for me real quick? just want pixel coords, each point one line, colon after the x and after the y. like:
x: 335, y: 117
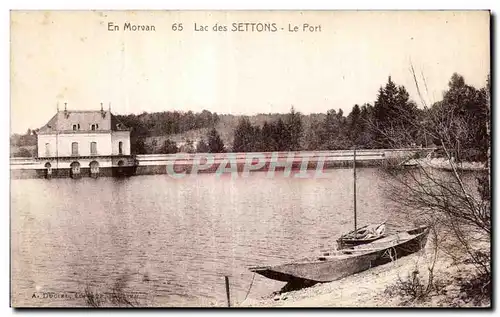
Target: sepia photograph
x: 250, y: 159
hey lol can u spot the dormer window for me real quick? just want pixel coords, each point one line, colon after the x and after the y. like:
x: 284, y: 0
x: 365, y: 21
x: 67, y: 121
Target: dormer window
x: 74, y: 127
x: 94, y: 127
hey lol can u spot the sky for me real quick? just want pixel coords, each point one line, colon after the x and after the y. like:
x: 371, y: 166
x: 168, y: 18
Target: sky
x: 71, y: 56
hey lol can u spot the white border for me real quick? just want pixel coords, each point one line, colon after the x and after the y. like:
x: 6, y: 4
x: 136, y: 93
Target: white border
x: 190, y: 5
x: 257, y: 5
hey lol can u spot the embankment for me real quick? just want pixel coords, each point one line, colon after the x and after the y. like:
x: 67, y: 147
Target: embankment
x: 184, y: 163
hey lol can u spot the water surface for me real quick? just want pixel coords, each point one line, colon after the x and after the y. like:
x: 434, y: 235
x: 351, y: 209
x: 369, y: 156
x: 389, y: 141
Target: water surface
x: 171, y: 241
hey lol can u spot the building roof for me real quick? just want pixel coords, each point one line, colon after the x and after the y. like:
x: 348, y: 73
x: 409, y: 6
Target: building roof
x: 83, y: 120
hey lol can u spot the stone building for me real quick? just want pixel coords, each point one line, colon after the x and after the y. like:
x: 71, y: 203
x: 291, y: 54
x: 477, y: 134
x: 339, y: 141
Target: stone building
x: 84, y: 143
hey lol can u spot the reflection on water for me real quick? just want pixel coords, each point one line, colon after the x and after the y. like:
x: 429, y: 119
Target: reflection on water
x: 172, y: 241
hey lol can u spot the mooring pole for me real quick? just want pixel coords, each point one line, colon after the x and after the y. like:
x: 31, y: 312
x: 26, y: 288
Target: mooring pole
x: 354, y: 172
x: 227, y: 291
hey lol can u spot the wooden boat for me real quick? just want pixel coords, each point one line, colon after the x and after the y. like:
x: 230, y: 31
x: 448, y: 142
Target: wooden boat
x: 337, y: 264
x: 363, y: 235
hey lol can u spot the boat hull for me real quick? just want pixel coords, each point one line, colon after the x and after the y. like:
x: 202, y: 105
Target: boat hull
x: 344, y: 263
x: 320, y: 271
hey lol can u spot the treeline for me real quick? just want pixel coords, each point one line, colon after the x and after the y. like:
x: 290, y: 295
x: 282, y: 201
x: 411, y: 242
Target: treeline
x: 391, y: 121
x: 463, y: 119
x: 23, y: 145
x: 278, y: 135
x: 20, y: 140
x: 164, y: 123
x: 168, y: 122
x: 212, y: 143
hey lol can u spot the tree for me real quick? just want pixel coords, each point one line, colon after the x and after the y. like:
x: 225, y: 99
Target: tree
x: 269, y: 143
x: 138, y: 146
x: 281, y: 135
x: 445, y: 202
x: 394, y: 117
x: 169, y: 147
x: 202, y: 147
x: 188, y: 147
x: 468, y: 107
x: 246, y: 136
x: 366, y: 139
x: 314, y: 133
x: 457, y: 208
x: 215, y: 144
x: 334, y: 131
x: 355, y: 125
x: 294, y: 130
x: 22, y: 152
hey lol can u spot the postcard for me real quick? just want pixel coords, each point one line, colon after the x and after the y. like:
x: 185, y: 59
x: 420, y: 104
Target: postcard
x: 250, y: 159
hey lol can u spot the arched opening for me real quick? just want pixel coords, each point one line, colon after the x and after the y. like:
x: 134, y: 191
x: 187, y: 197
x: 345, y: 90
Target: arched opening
x: 75, y: 169
x: 94, y: 168
x: 48, y: 170
x: 74, y: 148
x: 120, y: 147
x: 120, y: 169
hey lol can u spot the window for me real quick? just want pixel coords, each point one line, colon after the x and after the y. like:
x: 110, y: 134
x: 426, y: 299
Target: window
x: 120, y: 147
x: 47, y: 149
x: 93, y: 148
x: 74, y: 148
x: 78, y: 126
x: 74, y: 127
x: 92, y: 127
x: 96, y: 126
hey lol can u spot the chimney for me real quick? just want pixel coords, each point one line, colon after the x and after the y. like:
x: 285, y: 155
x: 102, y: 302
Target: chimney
x: 66, y: 114
x: 103, y: 114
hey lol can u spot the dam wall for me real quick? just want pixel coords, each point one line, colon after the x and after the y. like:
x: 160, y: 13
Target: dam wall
x: 187, y: 163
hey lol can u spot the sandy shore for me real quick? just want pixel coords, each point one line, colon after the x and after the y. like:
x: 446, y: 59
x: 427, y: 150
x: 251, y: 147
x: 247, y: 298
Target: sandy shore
x: 377, y: 287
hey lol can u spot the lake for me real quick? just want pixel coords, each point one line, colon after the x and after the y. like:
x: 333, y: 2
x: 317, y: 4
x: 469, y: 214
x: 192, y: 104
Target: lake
x: 170, y: 242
